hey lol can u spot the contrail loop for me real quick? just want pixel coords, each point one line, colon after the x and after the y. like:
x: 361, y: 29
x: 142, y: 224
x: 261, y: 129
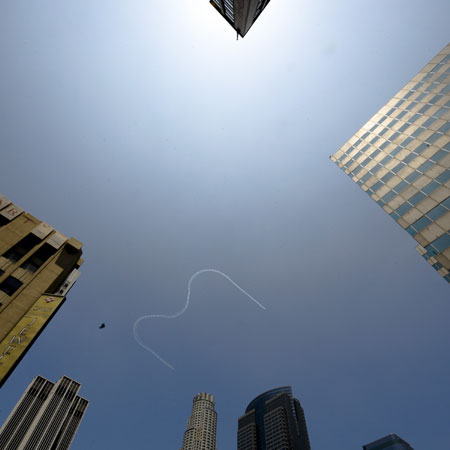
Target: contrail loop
x: 183, y: 310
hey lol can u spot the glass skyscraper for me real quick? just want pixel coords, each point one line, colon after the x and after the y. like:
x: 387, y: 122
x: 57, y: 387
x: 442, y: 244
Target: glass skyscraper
x: 401, y: 159
x: 240, y: 14
x: 273, y: 421
x: 47, y: 416
x: 390, y: 442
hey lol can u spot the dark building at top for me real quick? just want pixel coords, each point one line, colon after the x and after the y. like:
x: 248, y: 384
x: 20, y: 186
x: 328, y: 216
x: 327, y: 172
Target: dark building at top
x: 240, y: 14
x: 274, y: 420
x: 389, y: 442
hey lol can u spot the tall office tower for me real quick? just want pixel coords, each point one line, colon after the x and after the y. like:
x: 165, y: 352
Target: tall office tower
x: 201, y: 428
x: 273, y: 421
x: 38, y: 266
x: 45, y: 418
x: 390, y: 442
x: 401, y: 159
x: 240, y: 14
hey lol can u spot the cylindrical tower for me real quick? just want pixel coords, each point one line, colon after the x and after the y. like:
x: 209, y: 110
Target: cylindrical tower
x: 201, y: 428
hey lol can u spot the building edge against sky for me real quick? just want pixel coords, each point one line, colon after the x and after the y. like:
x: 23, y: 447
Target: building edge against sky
x: 47, y: 416
x: 38, y: 266
x: 389, y: 442
x: 201, y: 428
x: 240, y: 14
x: 401, y: 159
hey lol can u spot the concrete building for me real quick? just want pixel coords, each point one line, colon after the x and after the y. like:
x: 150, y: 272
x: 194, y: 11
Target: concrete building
x: 401, y: 159
x: 273, y: 421
x: 45, y: 418
x: 240, y: 14
x: 390, y: 442
x: 201, y: 428
x: 38, y: 266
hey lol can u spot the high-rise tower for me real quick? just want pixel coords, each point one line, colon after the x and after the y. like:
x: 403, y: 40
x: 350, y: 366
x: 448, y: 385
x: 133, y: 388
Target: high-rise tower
x: 240, y: 14
x: 389, y: 442
x: 45, y: 418
x: 274, y: 420
x: 401, y: 159
x: 201, y: 428
x: 38, y: 266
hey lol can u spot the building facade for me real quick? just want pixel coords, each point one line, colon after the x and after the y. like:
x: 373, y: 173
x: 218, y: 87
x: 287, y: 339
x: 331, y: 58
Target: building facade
x: 390, y: 442
x: 273, y: 421
x: 201, y: 428
x: 240, y: 14
x: 38, y: 266
x: 401, y: 159
x: 45, y: 418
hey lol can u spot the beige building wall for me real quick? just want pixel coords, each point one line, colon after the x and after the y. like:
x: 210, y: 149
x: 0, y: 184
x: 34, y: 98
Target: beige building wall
x: 35, y: 259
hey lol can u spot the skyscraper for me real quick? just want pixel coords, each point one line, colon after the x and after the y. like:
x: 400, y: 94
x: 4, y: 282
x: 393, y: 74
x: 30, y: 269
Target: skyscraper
x: 401, y: 159
x: 274, y: 420
x: 389, y: 442
x: 38, y: 266
x: 201, y: 428
x: 45, y: 418
x: 240, y: 14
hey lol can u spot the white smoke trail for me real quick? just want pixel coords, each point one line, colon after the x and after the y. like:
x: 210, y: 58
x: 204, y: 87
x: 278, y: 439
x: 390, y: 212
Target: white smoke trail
x: 183, y: 310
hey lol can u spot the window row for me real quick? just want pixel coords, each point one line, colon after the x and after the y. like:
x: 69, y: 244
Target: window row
x: 432, y: 74
x: 444, y: 61
x: 425, y: 126
x: 430, y: 217
x: 390, y: 155
x: 401, y: 164
x: 439, y: 245
x: 229, y: 9
x: 411, y: 178
x: 436, y: 212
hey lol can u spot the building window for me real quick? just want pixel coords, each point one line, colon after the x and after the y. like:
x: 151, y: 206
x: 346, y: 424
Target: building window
x: 21, y: 248
x: 10, y: 285
x: 441, y: 243
x: 3, y: 220
x: 229, y: 9
x: 36, y: 260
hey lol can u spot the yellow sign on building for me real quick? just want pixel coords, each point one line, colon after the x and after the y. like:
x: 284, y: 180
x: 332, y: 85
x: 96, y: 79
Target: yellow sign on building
x: 17, y: 342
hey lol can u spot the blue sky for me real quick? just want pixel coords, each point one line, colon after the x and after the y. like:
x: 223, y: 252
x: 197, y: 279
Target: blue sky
x: 148, y: 132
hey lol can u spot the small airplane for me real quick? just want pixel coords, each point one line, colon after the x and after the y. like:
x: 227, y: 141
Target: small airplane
x: 102, y: 326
